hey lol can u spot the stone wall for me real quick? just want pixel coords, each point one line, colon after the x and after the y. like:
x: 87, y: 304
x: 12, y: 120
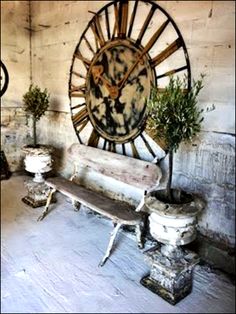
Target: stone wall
x: 208, y: 168
x: 15, y: 54
x: 208, y: 28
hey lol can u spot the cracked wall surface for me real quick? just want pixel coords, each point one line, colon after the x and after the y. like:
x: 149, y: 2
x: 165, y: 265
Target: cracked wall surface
x: 208, y: 28
x: 15, y: 54
x: 208, y: 168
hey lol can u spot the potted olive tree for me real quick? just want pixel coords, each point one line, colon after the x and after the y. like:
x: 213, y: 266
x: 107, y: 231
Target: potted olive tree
x: 173, y: 118
x: 38, y: 157
x: 36, y: 103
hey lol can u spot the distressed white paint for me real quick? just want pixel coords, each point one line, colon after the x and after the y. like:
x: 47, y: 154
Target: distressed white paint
x: 172, y: 224
x: 164, y: 229
x: 38, y: 161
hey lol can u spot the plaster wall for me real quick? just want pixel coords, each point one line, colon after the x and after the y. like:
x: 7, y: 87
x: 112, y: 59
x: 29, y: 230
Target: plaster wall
x: 206, y: 166
x: 15, y: 54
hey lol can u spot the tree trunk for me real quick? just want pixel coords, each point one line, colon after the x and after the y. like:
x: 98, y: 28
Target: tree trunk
x: 169, y: 183
x: 34, y: 132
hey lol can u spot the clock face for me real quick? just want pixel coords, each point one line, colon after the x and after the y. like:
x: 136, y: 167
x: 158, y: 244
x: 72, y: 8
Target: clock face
x: 127, y: 47
x: 117, y: 110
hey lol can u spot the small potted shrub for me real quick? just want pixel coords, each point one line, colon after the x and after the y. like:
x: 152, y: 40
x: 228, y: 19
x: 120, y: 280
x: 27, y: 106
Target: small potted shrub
x: 173, y: 118
x: 36, y: 103
x: 38, y: 157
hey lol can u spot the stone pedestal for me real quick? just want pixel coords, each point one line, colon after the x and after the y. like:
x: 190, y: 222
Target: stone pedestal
x: 171, y: 273
x: 173, y: 225
x: 37, y: 193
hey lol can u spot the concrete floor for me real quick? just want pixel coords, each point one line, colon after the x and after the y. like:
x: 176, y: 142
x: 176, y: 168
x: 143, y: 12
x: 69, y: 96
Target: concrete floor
x: 52, y: 266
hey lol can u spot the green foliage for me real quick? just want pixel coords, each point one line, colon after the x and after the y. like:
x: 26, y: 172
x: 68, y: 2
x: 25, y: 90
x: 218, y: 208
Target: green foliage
x: 36, y: 101
x: 173, y: 115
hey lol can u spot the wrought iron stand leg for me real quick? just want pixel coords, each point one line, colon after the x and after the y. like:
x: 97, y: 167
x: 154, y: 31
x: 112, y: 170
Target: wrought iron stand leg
x: 110, y: 245
x: 45, y: 212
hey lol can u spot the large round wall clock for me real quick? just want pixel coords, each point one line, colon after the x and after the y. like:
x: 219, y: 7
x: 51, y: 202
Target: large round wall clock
x: 127, y: 47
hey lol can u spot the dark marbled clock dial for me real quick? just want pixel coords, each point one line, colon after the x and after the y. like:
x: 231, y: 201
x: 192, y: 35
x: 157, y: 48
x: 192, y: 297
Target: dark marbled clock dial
x: 117, y: 108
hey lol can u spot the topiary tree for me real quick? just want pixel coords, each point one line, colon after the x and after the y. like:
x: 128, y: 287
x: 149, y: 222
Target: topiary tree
x: 35, y: 103
x: 173, y: 117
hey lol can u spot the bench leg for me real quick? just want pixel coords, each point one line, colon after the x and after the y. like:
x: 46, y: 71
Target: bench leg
x: 110, y: 245
x: 138, y: 230
x: 45, y: 212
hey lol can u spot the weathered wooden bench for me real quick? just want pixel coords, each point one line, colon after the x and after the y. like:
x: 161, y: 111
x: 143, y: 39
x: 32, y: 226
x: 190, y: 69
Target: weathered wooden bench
x: 140, y: 174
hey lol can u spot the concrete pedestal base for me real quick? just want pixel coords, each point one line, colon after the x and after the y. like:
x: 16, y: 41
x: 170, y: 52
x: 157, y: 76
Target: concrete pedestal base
x: 37, y: 194
x: 171, y: 275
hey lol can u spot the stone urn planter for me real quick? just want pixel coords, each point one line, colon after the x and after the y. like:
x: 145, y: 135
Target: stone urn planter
x: 38, y: 160
x: 172, y: 225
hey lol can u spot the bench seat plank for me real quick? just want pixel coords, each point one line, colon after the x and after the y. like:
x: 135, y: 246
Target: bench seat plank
x: 113, y: 209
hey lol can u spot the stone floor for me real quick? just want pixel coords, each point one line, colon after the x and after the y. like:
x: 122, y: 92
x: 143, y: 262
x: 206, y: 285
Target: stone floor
x: 52, y: 266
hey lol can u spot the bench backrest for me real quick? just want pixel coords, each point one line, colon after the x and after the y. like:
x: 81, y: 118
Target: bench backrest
x: 135, y: 172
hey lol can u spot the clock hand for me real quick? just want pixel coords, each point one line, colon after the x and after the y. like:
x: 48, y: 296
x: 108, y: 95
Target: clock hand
x: 97, y: 71
x: 133, y: 66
